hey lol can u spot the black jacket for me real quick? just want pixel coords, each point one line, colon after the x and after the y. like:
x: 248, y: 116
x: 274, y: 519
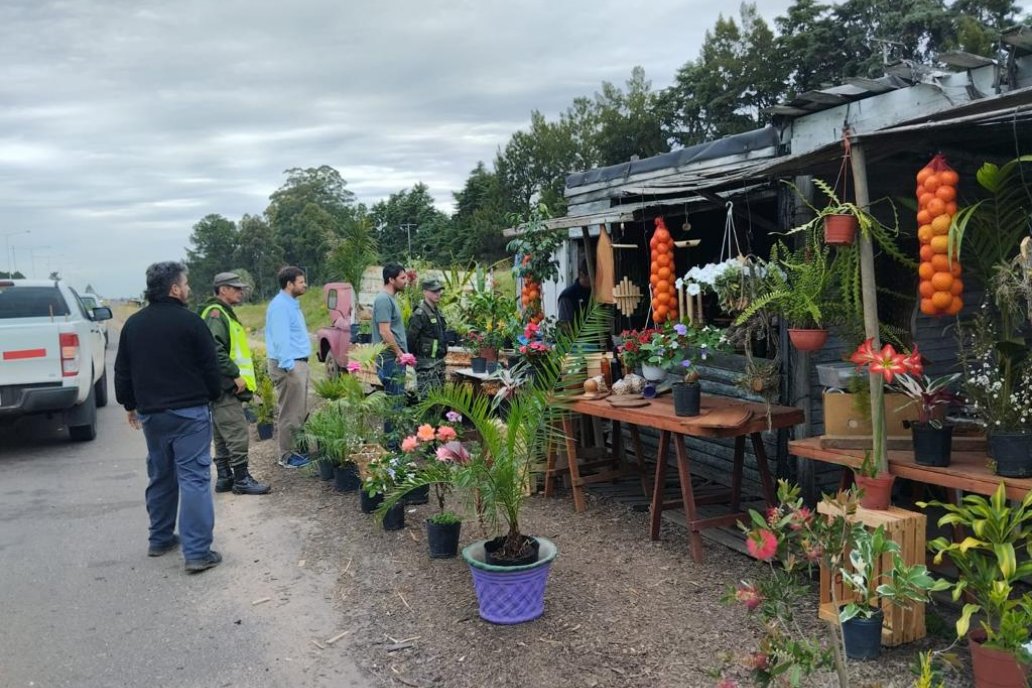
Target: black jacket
x: 166, y: 360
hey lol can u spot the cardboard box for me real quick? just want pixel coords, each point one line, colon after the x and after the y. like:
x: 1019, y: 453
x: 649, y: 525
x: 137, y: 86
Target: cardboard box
x: 841, y: 417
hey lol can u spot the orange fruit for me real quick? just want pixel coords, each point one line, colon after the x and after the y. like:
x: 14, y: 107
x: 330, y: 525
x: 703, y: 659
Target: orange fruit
x: 946, y: 193
x: 655, y: 267
x: 923, y: 199
x: 942, y: 300
x: 940, y: 243
x: 936, y: 206
x: 927, y: 307
x: 925, y: 289
x: 925, y: 233
x: 951, y: 208
x: 949, y: 178
x: 661, y: 313
x: 940, y: 263
x: 955, y: 307
x: 664, y: 260
x: 957, y: 287
x: 942, y: 281
x: 654, y: 242
x: 925, y: 271
x: 955, y: 269
x: 534, y: 295
x: 941, y: 224
x: 926, y: 252
x: 662, y: 234
x: 924, y: 173
x: 662, y: 286
x: 924, y: 217
x: 931, y: 183
x: 654, y: 279
x: 664, y: 273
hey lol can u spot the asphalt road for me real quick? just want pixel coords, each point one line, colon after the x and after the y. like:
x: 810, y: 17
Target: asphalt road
x: 82, y: 605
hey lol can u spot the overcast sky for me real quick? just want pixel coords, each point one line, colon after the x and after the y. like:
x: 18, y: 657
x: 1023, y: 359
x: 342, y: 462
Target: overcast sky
x: 123, y: 122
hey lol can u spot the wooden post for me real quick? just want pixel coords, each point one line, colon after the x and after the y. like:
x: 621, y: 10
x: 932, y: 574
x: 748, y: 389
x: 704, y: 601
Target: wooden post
x: 869, y: 290
x: 589, y: 257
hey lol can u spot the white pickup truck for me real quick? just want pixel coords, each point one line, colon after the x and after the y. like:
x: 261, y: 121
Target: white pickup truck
x: 51, y: 354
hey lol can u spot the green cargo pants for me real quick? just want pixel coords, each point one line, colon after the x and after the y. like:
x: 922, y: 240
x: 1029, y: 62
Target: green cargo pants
x: 230, y: 430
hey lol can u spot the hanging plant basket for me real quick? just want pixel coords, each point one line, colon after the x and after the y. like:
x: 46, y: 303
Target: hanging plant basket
x: 840, y: 230
x: 808, y: 340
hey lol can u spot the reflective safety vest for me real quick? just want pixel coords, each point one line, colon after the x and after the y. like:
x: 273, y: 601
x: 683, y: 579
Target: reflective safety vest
x: 239, y: 350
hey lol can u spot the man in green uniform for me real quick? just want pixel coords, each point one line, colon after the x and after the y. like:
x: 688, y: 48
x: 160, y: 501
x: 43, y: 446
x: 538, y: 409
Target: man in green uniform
x: 426, y: 337
x: 238, y: 385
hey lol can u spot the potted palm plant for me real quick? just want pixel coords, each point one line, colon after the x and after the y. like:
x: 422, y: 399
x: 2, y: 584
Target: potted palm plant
x: 266, y: 410
x: 510, y: 571
x: 989, y: 570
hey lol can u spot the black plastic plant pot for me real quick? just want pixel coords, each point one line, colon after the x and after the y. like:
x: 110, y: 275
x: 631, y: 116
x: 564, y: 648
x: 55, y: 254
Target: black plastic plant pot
x: 931, y: 444
x: 345, y: 478
x: 394, y: 519
x: 479, y: 364
x: 250, y: 415
x: 687, y: 398
x: 326, y: 469
x: 1012, y: 452
x: 493, y: 548
x: 420, y: 495
x: 862, y: 637
x: 264, y: 431
x: 443, y: 539
x: 370, y: 504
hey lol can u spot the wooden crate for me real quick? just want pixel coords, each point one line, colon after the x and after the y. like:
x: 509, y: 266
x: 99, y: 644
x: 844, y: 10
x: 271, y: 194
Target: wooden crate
x: 907, y: 528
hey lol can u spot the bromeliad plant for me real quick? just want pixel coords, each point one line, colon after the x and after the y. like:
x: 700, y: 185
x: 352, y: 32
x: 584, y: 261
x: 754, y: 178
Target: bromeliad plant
x: 498, y: 469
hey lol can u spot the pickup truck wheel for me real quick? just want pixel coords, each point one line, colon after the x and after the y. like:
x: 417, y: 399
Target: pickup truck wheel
x: 79, y: 430
x: 100, y: 390
x: 332, y: 369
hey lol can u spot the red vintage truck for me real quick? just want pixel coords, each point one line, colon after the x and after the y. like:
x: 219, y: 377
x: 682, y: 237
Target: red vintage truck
x: 333, y: 342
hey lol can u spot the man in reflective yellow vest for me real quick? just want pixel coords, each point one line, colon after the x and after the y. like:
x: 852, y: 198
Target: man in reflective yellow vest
x: 238, y: 385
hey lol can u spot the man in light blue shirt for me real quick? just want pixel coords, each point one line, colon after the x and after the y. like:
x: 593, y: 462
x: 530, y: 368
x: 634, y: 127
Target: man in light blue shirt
x: 288, y: 347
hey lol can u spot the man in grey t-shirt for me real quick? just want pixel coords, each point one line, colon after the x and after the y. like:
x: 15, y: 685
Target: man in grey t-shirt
x: 389, y: 329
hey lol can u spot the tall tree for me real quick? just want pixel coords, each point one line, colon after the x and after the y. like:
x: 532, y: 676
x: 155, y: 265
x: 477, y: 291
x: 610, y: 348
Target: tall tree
x: 408, y: 223
x: 213, y: 248
x: 627, y: 123
x: 479, y: 218
x: 259, y: 253
x: 307, y: 213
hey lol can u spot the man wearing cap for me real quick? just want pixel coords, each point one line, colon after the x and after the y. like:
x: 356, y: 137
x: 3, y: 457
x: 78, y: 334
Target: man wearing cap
x: 426, y: 337
x: 238, y: 385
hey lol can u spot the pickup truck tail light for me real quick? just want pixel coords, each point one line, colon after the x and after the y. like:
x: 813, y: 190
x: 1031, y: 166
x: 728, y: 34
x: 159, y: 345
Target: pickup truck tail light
x: 69, y: 354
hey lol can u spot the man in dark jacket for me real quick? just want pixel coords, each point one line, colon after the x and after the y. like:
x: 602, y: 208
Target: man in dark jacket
x: 238, y: 385
x: 166, y: 374
x: 426, y: 338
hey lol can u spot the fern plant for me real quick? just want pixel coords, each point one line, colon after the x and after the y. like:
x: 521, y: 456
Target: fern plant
x: 799, y: 289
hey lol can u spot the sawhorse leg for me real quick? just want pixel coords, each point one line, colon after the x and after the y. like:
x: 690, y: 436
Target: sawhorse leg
x: 656, y: 515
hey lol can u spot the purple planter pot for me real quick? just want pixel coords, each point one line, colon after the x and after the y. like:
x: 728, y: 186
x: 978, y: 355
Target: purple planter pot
x: 510, y: 594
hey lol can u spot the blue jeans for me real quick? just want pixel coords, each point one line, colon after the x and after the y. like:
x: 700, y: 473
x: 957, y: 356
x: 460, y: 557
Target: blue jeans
x: 179, y: 469
x: 392, y: 376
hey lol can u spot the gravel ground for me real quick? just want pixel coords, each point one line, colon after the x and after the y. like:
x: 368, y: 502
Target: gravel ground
x: 620, y: 610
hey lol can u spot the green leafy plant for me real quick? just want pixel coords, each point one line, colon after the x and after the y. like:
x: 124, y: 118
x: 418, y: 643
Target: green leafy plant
x: 536, y: 245
x: 495, y: 474
x: 799, y: 289
x: 266, y: 393
x: 988, y: 566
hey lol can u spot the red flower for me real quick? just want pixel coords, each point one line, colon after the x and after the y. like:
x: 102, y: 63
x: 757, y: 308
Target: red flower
x: 864, y: 354
x: 889, y: 363
x: 800, y: 518
x: 913, y: 362
x: 748, y: 595
x: 758, y: 661
x: 762, y: 544
x: 773, y: 515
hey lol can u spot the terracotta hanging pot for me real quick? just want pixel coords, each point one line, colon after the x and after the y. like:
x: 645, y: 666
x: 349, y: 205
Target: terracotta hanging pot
x: 807, y: 340
x: 840, y: 230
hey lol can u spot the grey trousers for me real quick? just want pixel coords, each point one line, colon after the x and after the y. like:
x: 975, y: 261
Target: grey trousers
x: 292, y: 400
x: 230, y: 430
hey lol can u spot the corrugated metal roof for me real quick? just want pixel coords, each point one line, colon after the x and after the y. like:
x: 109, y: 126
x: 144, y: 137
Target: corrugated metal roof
x: 851, y: 90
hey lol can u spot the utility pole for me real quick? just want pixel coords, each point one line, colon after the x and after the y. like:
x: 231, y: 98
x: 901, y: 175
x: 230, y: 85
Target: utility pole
x: 7, y: 248
x: 407, y: 228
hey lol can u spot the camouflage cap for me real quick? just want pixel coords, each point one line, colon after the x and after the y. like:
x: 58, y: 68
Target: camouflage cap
x: 433, y: 284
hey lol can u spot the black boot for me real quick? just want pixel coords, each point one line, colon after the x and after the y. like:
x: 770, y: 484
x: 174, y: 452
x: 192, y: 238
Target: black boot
x: 243, y: 483
x: 224, y: 481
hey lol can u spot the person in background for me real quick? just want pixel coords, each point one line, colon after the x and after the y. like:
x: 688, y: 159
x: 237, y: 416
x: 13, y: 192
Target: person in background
x: 574, y: 300
x: 288, y: 347
x: 238, y: 385
x: 427, y: 339
x: 166, y: 373
x: 389, y: 330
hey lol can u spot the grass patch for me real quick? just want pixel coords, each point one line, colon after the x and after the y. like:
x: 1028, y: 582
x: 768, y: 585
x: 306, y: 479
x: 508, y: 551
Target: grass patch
x: 252, y: 315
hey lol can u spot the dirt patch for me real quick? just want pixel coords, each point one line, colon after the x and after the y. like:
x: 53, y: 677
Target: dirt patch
x: 620, y: 610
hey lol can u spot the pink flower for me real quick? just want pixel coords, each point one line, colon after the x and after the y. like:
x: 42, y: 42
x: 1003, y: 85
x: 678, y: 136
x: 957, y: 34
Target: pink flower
x: 409, y: 444
x: 727, y: 683
x: 407, y: 360
x: 864, y: 354
x: 748, y: 595
x: 773, y: 515
x: 425, y: 433
x: 801, y: 518
x: 758, y: 661
x: 453, y: 417
x: 445, y: 433
x: 453, y: 452
x: 912, y: 362
x: 762, y: 544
